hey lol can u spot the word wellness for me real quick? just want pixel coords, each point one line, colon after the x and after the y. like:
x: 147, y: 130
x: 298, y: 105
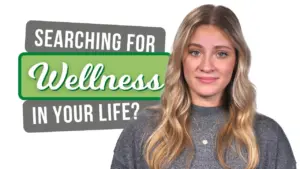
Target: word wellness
x: 91, y: 73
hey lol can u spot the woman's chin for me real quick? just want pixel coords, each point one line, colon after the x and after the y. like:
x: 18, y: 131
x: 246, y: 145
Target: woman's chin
x: 207, y: 93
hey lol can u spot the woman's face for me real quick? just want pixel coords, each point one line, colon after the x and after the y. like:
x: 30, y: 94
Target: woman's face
x: 208, y: 63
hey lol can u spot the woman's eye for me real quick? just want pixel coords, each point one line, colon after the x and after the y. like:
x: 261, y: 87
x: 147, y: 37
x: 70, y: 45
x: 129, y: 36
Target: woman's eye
x: 194, y: 53
x: 222, y: 54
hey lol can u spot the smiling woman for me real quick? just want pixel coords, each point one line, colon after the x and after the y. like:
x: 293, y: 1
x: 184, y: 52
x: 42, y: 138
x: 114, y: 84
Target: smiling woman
x: 207, y: 117
x: 208, y: 64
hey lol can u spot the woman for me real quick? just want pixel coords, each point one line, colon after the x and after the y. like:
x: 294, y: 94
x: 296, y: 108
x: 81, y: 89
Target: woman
x: 207, y: 117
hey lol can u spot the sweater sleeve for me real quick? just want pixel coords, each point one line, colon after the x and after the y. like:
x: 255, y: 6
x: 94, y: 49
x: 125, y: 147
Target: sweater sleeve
x: 128, y: 152
x: 285, y: 157
x: 124, y: 151
x: 116, y: 164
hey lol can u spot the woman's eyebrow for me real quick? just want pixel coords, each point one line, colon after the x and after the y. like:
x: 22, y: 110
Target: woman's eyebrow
x: 223, y: 46
x: 195, y: 44
x: 216, y: 47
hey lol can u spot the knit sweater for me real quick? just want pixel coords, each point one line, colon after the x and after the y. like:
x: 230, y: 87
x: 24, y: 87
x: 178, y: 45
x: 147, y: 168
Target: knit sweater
x: 275, y: 149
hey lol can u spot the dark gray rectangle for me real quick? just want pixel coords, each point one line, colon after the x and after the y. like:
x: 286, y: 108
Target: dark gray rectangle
x: 46, y: 116
x: 45, y: 36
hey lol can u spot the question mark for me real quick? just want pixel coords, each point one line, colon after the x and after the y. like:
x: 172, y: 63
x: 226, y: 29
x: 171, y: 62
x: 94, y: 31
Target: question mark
x: 135, y: 104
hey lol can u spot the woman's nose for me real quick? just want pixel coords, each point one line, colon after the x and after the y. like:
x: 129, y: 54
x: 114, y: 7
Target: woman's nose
x: 206, y: 64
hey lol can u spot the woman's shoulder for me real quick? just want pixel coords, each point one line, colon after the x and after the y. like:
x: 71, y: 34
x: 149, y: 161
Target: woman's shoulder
x: 146, y: 119
x: 274, y: 141
x: 268, y: 129
x: 137, y: 130
x: 129, y: 145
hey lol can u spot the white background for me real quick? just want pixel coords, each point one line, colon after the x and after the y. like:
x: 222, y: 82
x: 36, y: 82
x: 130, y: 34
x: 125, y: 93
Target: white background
x: 270, y: 28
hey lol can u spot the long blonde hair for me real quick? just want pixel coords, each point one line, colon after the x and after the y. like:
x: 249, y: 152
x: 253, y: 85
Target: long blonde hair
x: 171, y: 136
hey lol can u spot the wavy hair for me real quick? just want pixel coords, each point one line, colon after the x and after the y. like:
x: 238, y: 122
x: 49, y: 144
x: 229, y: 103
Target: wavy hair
x: 171, y: 136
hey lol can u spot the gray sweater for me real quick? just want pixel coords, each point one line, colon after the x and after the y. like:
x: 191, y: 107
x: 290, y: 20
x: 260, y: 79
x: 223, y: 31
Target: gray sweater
x: 276, y: 152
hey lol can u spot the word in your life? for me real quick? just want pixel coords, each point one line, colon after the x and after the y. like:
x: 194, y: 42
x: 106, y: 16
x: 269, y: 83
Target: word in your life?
x: 85, y: 113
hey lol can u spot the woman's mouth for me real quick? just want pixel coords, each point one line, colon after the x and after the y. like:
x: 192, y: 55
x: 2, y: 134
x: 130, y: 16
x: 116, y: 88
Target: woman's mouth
x: 207, y: 80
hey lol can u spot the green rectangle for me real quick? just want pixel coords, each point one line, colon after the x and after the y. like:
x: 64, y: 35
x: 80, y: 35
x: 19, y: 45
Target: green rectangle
x: 150, y: 66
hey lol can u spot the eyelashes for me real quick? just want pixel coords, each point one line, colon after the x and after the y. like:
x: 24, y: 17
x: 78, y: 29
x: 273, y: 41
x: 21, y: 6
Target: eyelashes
x: 194, y: 52
x: 220, y: 54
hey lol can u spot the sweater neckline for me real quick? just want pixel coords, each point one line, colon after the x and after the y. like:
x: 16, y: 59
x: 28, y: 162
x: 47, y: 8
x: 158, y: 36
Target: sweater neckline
x: 206, y: 110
